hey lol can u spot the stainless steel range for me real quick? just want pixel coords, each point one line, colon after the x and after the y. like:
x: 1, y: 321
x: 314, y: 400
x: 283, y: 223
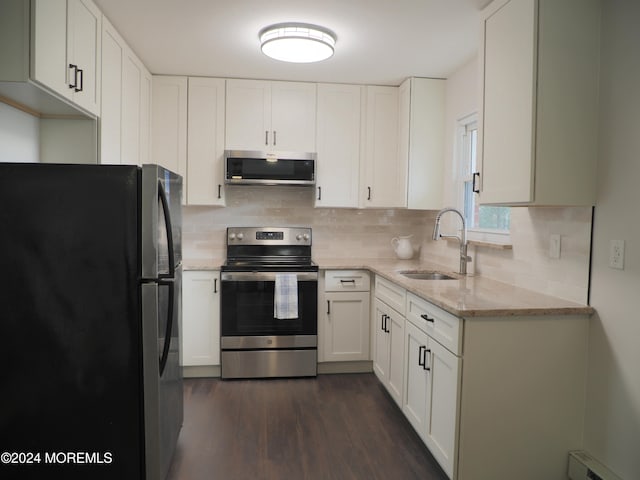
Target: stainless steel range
x: 269, y: 299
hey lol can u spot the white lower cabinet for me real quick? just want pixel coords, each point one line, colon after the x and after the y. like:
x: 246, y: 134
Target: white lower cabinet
x: 388, y: 357
x: 431, y: 394
x: 346, y: 318
x: 201, y: 318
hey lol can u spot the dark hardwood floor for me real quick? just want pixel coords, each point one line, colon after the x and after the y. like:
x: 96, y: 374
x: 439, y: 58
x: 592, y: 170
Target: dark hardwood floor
x: 329, y: 427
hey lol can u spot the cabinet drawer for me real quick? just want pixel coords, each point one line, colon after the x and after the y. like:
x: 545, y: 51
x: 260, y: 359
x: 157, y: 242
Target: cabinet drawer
x: 435, y: 322
x: 347, y: 281
x: 391, y: 294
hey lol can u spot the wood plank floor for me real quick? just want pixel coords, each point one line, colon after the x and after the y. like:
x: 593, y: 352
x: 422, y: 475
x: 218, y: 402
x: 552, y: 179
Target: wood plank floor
x: 330, y: 427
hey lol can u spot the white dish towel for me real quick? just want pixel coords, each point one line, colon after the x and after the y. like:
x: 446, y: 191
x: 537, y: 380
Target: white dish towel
x: 285, y: 302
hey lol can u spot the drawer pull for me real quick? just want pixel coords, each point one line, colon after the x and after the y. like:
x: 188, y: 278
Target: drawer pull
x: 348, y: 281
x: 424, y: 316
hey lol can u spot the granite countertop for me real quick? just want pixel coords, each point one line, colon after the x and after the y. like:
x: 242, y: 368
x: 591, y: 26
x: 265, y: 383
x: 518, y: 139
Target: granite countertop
x: 468, y: 296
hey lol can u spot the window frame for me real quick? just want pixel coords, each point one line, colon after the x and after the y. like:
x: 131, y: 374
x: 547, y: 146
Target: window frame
x: 464, y: 175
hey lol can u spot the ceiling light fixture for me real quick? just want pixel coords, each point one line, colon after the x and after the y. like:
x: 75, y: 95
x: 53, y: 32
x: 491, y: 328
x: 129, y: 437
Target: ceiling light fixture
x: 297, y: 42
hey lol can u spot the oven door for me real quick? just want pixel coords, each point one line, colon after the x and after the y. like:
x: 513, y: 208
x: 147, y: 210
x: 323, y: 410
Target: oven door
x: 247, y: 305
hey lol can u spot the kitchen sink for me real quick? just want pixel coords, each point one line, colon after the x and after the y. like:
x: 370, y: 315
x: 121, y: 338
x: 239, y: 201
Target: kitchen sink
x: 426, y: 275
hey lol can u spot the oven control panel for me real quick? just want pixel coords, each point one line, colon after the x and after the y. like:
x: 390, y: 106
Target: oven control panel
x: 269, y: 236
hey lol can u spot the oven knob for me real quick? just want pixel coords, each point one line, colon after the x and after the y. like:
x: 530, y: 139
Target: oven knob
x: 298, y: 237
x: 232, y: 236
x: 240, y: 236
x: 306, y: 236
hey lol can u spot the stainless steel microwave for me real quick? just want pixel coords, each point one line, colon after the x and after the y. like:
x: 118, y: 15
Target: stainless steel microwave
x: 244, y: 167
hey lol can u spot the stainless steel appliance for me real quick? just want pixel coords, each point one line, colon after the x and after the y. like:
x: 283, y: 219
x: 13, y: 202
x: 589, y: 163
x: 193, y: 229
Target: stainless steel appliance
x: 91, y: 289
x: 244, y: 167
x: 254, y: 342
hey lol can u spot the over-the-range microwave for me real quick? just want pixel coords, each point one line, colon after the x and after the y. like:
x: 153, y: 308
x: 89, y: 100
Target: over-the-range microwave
x: 243, y: 167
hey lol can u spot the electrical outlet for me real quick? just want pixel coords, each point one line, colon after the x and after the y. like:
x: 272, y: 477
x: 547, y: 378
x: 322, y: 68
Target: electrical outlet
x: 616, y: 254
x: 554, y: 246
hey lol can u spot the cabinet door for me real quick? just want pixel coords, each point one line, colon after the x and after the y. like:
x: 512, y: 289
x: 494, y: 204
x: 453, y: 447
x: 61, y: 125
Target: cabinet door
x: 201, y: 318
x: 84, y: 33
x: 441, y: 434
x: 169, y: 123
x: 205, y: 144
x: 417, y: 386
x: 248, y: 115
x: 338, y: 145
x: 131, y: 79
x: 381, y: 342
x: 388, y: 361
x: 395, y: 327
x: 293, y: 116
x: 507, y: 131
x: 145, y: 116
x: 49, y: 47
x: 346, y: 326
x: 111, y: 114
x: 384, y: 173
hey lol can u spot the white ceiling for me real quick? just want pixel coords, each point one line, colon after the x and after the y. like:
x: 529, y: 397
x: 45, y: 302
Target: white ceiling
x: 379, y: 41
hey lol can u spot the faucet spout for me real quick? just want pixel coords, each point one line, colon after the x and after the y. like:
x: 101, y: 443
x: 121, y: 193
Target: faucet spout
x: 464, y: 258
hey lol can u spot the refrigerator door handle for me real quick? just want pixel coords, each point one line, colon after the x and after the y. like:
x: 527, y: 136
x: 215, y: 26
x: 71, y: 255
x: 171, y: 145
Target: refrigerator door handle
x: 169, y: 327
x: 162, y: 195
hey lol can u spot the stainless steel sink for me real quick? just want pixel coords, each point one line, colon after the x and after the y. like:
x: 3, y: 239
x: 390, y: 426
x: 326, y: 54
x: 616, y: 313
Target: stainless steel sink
x: 426, y: 275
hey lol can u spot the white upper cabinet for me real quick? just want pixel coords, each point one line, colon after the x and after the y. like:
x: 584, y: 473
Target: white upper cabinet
x: 271, y: 116
x: 124, y: 119
x: 49, y: 48
x: 84, y: 33
x: 421, y: 140
x: 383, y: 173
x: 169, y: 123
x: 338, y: 137
x: 538, y: 128
x: 39, y: 41
x: 205, y: 141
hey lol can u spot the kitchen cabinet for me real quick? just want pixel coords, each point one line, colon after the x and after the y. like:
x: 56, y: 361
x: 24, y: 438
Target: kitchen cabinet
x: 271, y: 116
x: 346, y: 316
x: 383, y: 173
x: 169, y: 124
x: 506, y: 386
x: 421, y: 140
x: 388, y: 338
x: 432, y: 378
x: 338, y: 140
x: 201, y: 318
x: 538, y: 129
x: 84, y: 35
x: 205, y: 141
x: 125, y: 119
x: 50, y: 56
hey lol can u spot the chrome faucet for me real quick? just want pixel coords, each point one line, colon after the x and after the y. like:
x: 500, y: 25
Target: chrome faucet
x: 464, y: 258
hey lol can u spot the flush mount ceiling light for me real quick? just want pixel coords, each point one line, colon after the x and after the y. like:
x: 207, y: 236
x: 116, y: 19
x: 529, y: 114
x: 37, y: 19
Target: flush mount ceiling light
x: 297, y: 42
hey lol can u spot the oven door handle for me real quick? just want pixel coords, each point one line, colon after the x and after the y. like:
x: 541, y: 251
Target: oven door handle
x: 265, y: 276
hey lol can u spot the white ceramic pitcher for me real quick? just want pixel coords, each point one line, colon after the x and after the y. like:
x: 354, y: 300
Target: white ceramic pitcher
x: 402, y: 246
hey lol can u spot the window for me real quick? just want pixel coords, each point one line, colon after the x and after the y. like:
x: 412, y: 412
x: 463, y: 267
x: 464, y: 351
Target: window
x: 484, y: 222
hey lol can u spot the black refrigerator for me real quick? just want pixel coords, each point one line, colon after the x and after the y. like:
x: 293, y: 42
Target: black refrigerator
x: 90, y: 315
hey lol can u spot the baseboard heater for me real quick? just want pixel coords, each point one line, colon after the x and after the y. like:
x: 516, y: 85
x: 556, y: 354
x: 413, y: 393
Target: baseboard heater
x: 583, y: 466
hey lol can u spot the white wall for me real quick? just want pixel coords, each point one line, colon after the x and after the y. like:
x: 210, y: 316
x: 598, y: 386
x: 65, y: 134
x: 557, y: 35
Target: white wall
x: 19, y: 134
x: 612, y: 426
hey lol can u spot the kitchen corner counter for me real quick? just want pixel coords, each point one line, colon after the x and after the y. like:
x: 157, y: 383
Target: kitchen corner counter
x: 468, y: 296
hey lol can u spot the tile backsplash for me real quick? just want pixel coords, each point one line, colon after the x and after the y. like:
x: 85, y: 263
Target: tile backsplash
x: 367, y: 233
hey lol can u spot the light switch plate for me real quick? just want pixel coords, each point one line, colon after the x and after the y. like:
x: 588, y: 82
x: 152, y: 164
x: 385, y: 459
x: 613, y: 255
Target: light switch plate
x: 616, y: 254
x: 554, y: 246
